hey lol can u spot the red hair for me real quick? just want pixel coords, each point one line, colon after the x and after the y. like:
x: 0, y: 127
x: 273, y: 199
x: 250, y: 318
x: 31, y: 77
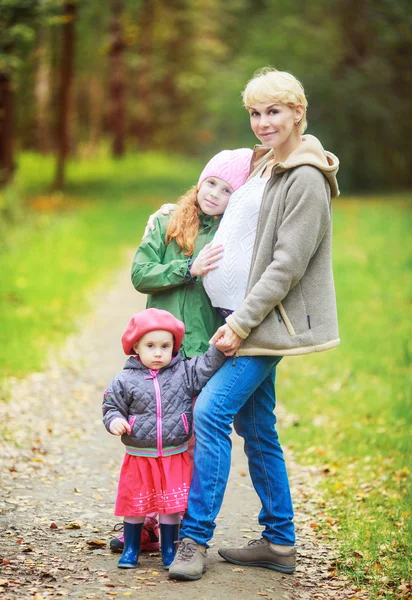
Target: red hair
x: 184, y: 224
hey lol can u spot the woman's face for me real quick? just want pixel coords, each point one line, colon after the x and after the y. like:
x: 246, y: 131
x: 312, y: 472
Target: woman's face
x: 213, y: 196
x: 274, y: 123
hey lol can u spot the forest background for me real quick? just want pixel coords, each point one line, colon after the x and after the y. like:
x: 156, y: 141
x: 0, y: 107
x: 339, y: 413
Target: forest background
x: 109, y: 108
x: 168, y: 75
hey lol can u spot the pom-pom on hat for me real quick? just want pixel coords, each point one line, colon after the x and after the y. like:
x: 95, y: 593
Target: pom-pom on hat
x: 233, y: 166
x: 152, y: 319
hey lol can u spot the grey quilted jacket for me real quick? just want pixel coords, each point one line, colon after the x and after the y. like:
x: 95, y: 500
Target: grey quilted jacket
x: 158, y: 404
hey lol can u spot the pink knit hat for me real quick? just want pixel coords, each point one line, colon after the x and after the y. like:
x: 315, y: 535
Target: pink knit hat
x: 152, y: 319
x: 233, y: 166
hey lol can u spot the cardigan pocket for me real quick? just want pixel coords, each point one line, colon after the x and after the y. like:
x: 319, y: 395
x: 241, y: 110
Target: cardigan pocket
x: 286, y: 320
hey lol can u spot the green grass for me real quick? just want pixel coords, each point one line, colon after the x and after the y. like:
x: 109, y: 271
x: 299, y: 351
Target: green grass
x: 68, y: 242
x: 350, y: 409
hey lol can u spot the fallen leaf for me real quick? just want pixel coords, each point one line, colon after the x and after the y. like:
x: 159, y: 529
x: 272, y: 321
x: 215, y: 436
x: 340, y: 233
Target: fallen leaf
x: 96, y: 544
x: 74, y: 525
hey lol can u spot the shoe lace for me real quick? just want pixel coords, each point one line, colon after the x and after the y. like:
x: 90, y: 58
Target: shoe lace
x: 186, y: 550
x: 258, y: 542
x: 149, y: 527
x: 118, y: 527
x: 150, y: 523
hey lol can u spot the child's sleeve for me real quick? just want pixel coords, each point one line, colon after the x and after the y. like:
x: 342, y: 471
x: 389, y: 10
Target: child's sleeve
x: 201, y: 368
x: 149, y: 273
x: 115, y: 404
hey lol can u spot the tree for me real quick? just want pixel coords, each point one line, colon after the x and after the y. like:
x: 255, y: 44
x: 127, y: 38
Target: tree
x: 143, y: 71
x: 17, y: 20
x: 42, y: 90
x: 117, y: 84
x: 64, y: 96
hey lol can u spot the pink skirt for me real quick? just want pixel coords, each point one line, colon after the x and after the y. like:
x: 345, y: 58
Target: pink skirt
x: 153, y: 485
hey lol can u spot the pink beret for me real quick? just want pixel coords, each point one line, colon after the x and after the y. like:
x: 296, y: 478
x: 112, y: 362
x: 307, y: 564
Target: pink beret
x: 150, y: 320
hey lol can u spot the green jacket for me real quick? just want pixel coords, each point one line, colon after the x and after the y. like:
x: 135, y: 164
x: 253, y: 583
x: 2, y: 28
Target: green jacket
x: 161, y: 271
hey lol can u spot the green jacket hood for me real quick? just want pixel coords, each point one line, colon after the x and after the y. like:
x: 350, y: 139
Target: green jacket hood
x: 310, y: 152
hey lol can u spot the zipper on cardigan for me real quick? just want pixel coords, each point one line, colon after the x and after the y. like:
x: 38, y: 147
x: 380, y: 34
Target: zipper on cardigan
x: 158, y: 412
x: 185, y: 422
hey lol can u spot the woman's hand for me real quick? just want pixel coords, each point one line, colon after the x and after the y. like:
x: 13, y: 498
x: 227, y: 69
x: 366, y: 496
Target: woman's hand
x: 120, y: 426
x: 163, y: 210
x: 226, y: 340
x: 206, y: 260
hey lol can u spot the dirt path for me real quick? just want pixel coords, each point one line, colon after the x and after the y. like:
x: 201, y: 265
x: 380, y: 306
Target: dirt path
x: 58, y: 486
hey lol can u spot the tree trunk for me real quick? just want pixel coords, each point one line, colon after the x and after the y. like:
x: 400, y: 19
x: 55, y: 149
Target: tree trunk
x: 6, y: 128
x: 117, y: 80
x: 42, y: 92
x: 64, y: 96
x: 143, y: 124
x: 95, y: 112
x: 178, y: 49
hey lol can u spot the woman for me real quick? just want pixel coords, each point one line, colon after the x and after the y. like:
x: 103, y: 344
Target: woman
x: 275, y: 281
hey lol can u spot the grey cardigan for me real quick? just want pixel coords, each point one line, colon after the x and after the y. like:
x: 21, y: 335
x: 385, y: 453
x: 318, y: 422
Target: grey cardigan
x: 158, y: 404
x: 290, y: 305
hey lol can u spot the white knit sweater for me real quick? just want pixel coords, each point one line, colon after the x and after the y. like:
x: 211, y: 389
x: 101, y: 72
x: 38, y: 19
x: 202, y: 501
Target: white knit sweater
x: 226, y: 285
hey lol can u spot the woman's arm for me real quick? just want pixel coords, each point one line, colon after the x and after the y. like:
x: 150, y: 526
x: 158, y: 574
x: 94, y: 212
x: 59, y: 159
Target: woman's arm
x: 165, y: 209
x: 149, y: 274
x: 304, y: 223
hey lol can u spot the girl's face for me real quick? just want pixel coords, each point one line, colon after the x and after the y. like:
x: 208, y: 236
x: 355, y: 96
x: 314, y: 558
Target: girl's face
x: 155, y: 349
x: 213, y: 196
x: 274, y: 124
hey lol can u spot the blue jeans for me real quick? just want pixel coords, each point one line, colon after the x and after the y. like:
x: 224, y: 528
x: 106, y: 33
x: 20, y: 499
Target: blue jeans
x: 243, y: 393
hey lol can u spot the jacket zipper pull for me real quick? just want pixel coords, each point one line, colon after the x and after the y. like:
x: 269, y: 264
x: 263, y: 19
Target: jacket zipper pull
x: 308, y: 317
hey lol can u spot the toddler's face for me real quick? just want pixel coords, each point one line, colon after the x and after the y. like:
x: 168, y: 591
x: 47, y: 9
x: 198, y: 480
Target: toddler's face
x: 213, y: 196
x: 155, y: 349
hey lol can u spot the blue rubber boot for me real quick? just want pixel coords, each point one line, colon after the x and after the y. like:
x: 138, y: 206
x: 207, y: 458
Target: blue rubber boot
x: 169, y: 535
x: 132, y: 536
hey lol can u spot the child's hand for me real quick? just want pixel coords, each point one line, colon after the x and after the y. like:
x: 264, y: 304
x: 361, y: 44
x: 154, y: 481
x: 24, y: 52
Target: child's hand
x: 206, y: 259
x: 163, y: 210
x: 226, y: 340
x: 120, y: 426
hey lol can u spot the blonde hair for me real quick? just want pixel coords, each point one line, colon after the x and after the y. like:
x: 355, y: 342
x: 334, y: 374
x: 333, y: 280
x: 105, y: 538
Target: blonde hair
x: 184, y: 224
x: 269, y: 84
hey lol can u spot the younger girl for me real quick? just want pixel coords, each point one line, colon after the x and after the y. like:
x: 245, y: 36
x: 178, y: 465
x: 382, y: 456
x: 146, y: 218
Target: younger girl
x: 149, y: 404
